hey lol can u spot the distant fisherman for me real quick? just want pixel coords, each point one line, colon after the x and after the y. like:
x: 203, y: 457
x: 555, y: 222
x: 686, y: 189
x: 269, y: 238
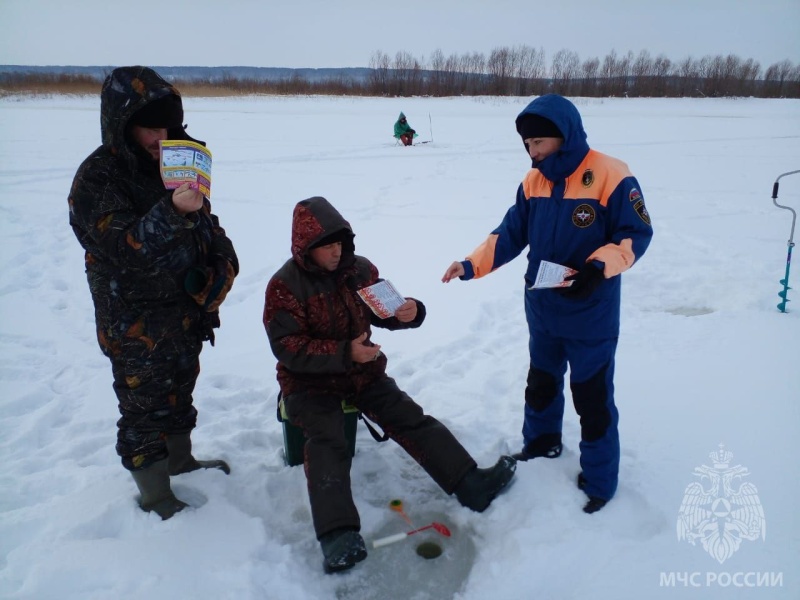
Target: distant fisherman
x: 403, y: 131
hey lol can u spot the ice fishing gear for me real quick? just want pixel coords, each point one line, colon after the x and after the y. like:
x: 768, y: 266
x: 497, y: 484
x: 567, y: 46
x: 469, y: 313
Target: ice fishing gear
x: 397, y: 506
x: 430, y: 141
x: 397, y: 537
x: 790, y: 244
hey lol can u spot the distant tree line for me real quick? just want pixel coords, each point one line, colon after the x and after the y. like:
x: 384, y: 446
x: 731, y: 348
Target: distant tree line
x: 507, y: 71
x: 523, y: 71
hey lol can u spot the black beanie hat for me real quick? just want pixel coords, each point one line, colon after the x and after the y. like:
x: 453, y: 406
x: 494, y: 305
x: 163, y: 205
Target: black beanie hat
x: 337, y: 236
x: 535, y: 126
x: 166, y: 112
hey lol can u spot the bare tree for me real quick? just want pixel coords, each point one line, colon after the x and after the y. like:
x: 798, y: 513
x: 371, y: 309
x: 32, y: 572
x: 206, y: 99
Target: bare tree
x: 564, y: 71
x: 641, y: 74
x: 776, y: 78
x: 499, y: 69
x: 793, y: 82
x: 406, y: 75
x: 436, y: 78
x: 532, y: 71
x: 607, y: 71
x: 662, y: 69
x: 748, y: 75
x: 589, y: 71
x: 379, y: 76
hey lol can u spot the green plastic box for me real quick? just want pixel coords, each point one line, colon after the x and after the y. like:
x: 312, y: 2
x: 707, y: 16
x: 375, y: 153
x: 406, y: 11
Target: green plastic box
x: 294, y: 440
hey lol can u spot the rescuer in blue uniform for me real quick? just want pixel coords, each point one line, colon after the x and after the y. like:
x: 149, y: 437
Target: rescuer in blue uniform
x: 585, y: 210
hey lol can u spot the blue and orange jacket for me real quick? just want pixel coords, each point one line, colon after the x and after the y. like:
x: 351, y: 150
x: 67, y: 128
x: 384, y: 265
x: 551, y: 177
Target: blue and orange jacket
x: 575, y: 206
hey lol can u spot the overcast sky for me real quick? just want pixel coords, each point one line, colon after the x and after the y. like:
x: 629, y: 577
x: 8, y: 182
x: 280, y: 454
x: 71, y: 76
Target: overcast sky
x: 327, y: 33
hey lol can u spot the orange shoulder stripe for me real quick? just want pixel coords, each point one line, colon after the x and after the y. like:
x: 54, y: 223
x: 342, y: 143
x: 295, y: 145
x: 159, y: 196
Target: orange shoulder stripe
x: 536, y: 185
x: 596, y: 178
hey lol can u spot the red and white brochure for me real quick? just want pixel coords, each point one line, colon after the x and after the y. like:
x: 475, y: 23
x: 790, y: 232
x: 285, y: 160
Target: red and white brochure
x: 552, y: 275
x: 382, y: 298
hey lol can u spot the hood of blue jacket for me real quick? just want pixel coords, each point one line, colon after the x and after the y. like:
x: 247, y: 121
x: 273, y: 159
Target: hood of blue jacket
x: 565, y: 115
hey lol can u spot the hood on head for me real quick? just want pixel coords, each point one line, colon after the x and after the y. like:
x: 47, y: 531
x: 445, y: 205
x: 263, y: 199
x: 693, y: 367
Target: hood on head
x: 313, y: 220
x: 126, y: 91
x: 566, y: 117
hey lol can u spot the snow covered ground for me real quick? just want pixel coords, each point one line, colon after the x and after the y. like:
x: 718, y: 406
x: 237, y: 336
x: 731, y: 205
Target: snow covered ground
x: 705, y: 358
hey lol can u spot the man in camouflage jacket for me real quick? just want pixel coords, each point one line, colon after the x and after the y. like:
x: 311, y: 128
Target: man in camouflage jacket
x: 320, y: 332
x: 158, y: 266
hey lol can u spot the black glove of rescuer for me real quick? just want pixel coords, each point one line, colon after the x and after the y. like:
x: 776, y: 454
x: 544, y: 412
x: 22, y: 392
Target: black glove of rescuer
x: 587, y: 280
x: 209, y: 286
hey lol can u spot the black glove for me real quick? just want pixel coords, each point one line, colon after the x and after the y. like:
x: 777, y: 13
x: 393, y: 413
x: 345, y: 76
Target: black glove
x: 222, y: 247
x: 587, y: 280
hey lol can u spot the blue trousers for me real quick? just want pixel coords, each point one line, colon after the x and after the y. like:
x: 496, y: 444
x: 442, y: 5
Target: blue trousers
x: 591, y: 381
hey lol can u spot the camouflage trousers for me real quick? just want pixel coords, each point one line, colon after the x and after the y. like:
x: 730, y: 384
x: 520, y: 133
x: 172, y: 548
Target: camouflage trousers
x: 155, y: 366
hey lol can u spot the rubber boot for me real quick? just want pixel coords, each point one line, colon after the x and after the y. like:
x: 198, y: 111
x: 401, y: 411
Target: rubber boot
x: 342, y: 549
x: 480, y: 486
x: 179, y: 446
x: 156, y: 495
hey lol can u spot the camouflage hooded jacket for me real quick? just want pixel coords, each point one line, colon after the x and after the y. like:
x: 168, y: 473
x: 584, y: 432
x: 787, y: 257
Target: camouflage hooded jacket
x: 311, y: 315
x: 138, y: 249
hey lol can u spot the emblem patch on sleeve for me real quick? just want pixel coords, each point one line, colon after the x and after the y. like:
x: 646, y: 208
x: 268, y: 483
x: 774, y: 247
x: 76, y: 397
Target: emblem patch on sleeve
x: 641, y: 210
x: 634, y: 195
x: 583, y: 216
x: 587, y: 179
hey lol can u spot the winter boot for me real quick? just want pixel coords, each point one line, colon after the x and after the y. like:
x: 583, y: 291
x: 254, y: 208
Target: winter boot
x: 179, y: 446
x: 594, y: 504
x: 480, y: 486
x: 342, y: 549
x: 547, y: 445
x: 156, y: 495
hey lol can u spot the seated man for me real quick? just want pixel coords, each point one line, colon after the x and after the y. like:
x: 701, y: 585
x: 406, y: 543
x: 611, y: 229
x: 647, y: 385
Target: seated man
x: 403, y: 131
x: 319, y: 330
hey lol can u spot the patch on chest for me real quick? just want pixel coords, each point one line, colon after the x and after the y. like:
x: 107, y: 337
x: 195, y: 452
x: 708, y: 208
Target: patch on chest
x: 583, y: 216
x: 587, y: 179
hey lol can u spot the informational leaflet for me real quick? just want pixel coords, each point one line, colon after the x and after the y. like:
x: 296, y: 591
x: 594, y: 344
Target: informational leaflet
x: 552, y: 275
x: 382, y: 298
x: 182, y: 162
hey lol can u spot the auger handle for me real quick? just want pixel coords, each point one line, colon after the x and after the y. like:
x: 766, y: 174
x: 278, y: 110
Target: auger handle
x: 789, y: 208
